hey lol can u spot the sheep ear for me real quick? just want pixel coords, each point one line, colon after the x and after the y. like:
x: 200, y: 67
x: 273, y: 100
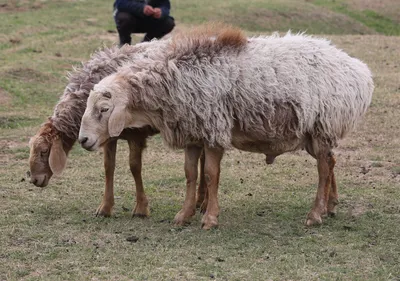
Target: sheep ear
x: 116, y: 123
x: 57, y: 157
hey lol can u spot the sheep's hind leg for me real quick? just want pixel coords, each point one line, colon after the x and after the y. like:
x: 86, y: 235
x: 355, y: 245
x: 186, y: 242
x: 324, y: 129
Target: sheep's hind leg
x: 269, y: 159
x: 107, y: 204
x: 192, y: 155
x: 136, y: 147
x: 212, y: 170
x: 201, y: 197
x: 325, y: 163
x: 333, y: 194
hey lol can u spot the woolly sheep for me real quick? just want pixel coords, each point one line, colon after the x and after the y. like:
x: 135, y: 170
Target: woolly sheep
x: 50, y: 146
x: 266, y: 95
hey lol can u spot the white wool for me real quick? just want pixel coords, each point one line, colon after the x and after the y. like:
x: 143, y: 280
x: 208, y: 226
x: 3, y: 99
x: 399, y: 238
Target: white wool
x: 201, y: 91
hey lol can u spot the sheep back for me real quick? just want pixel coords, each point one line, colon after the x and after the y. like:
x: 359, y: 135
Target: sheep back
x: 203, y: 92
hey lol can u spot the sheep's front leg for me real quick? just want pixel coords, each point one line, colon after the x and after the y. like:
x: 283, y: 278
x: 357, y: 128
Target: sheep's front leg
x: 136, y: 147
x: 107, y: 204
x: 212, y: 169
x: 192, y: 155
x: 201, y: 197
x: 326, y: 163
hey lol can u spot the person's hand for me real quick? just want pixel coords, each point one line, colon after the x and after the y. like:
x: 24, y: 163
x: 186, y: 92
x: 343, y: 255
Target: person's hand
x: 157, y: 13
x: 148, y: 10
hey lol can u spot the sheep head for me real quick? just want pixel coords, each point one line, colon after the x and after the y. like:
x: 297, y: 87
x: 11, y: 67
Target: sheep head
x: 104, y: 116
x: 47, y: 156
x: 108, y: 112
x: 102, y: 108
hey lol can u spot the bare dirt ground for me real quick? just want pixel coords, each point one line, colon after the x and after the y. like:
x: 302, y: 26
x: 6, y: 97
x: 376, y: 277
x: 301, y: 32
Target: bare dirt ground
x: 20, y: 6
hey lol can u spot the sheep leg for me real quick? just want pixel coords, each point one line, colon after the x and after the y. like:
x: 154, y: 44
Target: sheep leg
x: 107, y: 204
x: 212, y: 168
x: 136, y: 148
x: 333, y: 194
x: 192, y: 155
x: 269, y: 159
x: 326, y: 163
x: 203, y: 206
x: 201, y: 199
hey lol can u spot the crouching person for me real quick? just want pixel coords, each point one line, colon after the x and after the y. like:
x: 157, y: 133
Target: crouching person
x: 142, y: 16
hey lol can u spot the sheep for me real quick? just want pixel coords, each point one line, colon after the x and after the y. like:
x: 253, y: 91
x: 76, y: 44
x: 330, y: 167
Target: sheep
x: 50, y: 146
x: 270, y: 95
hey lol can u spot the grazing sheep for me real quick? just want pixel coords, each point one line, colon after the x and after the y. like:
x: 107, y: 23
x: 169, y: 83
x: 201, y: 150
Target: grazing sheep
x: 50, y: 146
x: 267, y: 95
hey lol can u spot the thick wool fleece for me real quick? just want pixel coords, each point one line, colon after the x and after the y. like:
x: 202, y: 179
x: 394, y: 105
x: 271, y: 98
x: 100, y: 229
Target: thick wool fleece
x: 201, y: 86
x: 72, y: 104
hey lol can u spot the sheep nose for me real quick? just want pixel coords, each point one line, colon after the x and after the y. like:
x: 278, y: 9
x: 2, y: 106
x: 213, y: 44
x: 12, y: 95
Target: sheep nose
x: 34, y: 181
x: 83, y: 140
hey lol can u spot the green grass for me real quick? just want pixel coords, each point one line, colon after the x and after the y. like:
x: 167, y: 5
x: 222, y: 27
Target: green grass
x: 369, y: 18
x: 259, y: 15
x: 52, y: 234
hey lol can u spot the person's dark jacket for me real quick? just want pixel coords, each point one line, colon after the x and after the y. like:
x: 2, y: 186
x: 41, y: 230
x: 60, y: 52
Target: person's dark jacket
x: 136, y: 7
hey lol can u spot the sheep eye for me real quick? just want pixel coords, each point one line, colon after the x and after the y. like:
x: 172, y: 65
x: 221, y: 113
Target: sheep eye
x: 44, y: 152
x: 102, y: 110
x: 107, y: 95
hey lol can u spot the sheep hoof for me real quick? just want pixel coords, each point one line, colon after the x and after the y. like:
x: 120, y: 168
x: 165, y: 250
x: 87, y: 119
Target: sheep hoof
x: 182, y: 219
x: 140, y: 216
x: 332, y: 207
x: 313, y: 218
x: 332, y: 212
x: 209, y: 222
x: 141, y: 212
x: 181, y: 223
x: 103, y: 211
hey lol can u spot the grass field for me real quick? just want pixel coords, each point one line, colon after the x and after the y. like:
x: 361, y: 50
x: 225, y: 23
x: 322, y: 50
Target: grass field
x: 52, y: 233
